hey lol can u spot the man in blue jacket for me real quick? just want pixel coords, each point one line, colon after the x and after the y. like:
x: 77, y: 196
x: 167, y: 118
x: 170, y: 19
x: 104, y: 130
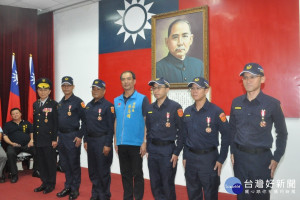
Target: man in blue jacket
x: 130, y: 136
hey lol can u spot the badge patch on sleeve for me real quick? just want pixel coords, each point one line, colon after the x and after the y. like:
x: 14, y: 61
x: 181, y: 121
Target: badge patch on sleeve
x: 222, y: 117
x: 180, y: 112
x: 82, y: 105
x: 112, y: 109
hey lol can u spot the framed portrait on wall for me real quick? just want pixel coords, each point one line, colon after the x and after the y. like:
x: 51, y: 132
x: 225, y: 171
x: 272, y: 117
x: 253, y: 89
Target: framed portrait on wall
x: 180, y: 46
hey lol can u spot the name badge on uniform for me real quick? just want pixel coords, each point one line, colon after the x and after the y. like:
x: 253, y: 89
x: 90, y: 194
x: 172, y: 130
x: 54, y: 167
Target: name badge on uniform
x: 99, y: 114
x: 263, y: 123
x: 208, y: 129
x: 69, y: 112
x: 168, y: 120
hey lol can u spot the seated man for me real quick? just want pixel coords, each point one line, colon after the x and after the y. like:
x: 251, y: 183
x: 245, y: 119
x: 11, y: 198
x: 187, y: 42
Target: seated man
x: 3, y: 159
x: 19, y: 137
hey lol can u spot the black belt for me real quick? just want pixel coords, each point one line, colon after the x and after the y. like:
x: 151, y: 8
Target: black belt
x: 161, y: 142
x: 96, y: 135
x: 202, y: 151
x: 68, y: 130
x: 251, y: 150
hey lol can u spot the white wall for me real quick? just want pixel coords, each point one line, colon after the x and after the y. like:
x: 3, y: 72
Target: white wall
x: 76, y: 51
x: 76, y: 54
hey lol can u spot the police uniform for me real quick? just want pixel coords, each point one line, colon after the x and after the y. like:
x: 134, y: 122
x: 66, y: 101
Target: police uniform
x: 70, y: 112
x: 99, y: 133
x: 164, y: 127
x: 45, y: 125
x: 252, y: 123
x: 201, y: 146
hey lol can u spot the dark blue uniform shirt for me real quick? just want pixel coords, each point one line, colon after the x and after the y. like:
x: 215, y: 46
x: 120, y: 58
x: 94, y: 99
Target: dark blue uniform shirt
x: 104, y: 126
x: 245, y: 118
x: 18, y: 133
x: 156, y: 119
x: 195, y: 124
x: 71, y: 122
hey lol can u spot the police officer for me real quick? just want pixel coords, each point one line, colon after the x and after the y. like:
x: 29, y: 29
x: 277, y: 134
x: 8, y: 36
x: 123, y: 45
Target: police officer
x: 164, y: 127
x: 251, y: 118
x: 45, y: 126
x: 70, y: 112
x: 203, y: 163
x: 98, y: 140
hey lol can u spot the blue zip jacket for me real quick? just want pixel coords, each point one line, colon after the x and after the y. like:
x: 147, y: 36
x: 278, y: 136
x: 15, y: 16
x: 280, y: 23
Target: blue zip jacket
x: 130, y: 125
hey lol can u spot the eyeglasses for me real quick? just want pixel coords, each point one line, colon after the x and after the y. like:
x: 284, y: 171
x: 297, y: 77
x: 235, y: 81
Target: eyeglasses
x: 246, y: 78
x: 156, y: 88
x: 195, y: 89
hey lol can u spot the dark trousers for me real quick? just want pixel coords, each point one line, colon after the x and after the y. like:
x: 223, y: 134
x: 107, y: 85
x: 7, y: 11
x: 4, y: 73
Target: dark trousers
x: 69, y: 156
x: 162, y: 176
x: 47, y: 165
x: 131, y: 166
x: 200, y: 174
x: 99, y: 167
x: 12, y: 153
x: 251, y: 167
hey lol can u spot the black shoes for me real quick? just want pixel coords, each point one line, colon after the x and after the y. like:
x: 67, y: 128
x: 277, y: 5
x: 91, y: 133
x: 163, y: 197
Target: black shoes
x: 64, y: 192
x: 14, y: 178
x: 2, y: 179
x: 39, y: 189
x: 48, y: 189
x: 73, y: 195
x: 36, y: 173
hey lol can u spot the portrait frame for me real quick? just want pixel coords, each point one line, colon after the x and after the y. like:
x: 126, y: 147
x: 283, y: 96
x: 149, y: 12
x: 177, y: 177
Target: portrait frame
x: 198, y: 49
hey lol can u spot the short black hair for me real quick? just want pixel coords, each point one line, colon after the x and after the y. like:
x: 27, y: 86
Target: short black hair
x: 131, y: 72
x: 177, y: 21
x: 13, y: 109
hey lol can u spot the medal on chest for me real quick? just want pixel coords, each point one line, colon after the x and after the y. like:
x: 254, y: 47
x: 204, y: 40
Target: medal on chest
x: 168, y: 120
x: 99, y: 114
x: 46, y: 115
x: 263, y: 122
x: 208, y: 129
x: 69, y: 112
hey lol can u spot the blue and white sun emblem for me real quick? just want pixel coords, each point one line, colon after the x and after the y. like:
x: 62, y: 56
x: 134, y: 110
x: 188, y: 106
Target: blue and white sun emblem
x: 32, y: 79
x: 15, y: 77
x: 134, y: 19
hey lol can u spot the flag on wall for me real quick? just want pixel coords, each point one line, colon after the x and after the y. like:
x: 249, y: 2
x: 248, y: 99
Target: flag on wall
x: 14, y: 95
x: 126, y: 24
x: 32, y: 90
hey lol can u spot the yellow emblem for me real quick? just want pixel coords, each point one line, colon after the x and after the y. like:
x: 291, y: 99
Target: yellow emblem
x: 249, y: 67
x: 112, y: 109
x: 150, y: 112
x: 44, y: 80
x: 222, y: 117
x: 96, y: 82
x: 196, y: 79
x: 238, y: 108
x: 187, y: 115
x: 66, y: 78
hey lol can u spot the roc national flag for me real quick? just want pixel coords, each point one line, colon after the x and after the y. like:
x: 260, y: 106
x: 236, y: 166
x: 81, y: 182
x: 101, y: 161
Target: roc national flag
x: 32, y: 90
x: 14, y: 95
x: 126, y: 24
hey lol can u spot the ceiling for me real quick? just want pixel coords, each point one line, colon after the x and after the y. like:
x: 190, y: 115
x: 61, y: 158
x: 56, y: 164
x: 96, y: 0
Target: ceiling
x: 44, y: 6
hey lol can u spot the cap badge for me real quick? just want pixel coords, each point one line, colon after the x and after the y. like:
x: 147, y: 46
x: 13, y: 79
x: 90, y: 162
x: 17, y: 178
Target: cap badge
x: 196, y: 79
x: 249, y: 67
